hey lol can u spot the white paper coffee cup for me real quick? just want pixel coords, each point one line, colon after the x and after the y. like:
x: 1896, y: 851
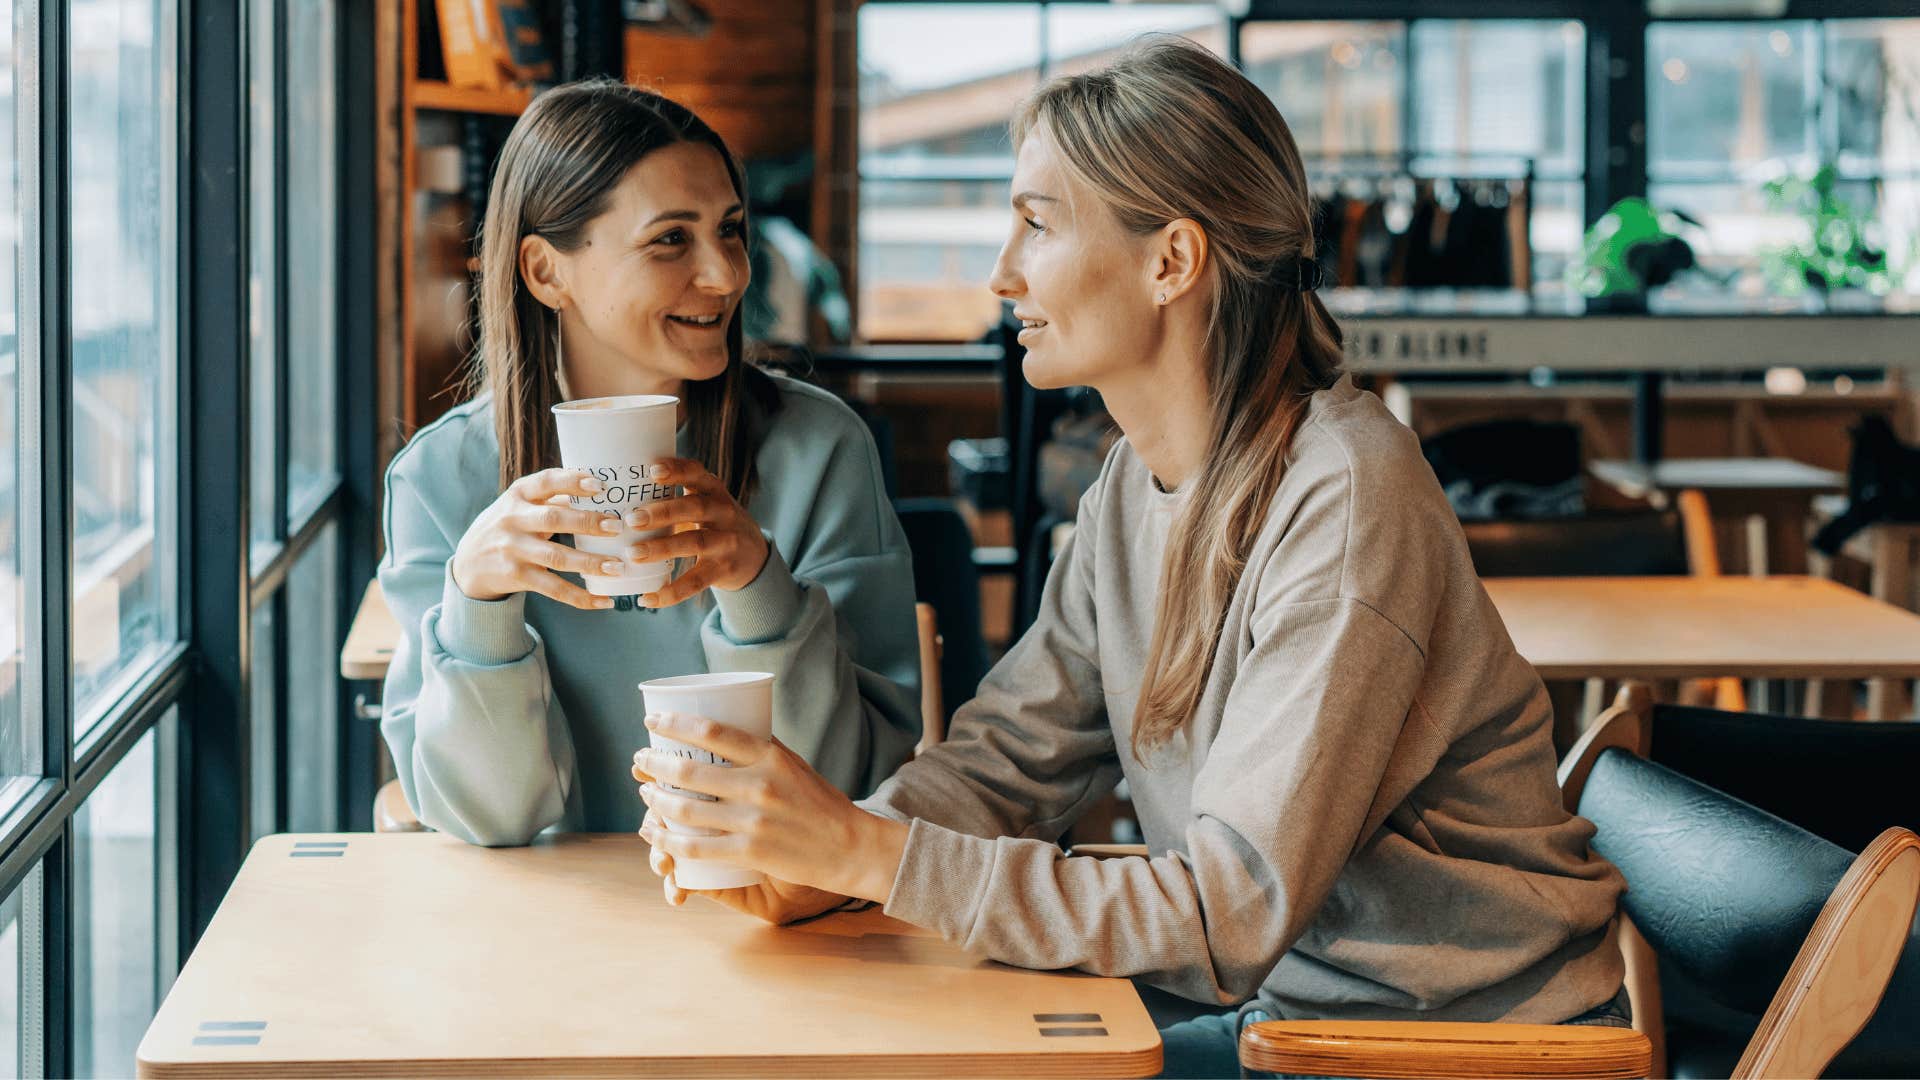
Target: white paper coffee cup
x: 620, y: 442
x: 737, y: 699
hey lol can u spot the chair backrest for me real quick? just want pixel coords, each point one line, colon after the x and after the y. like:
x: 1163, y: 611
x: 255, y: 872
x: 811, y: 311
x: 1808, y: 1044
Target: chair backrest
x: 944, y: 576
x: 1841, y: 780
x: 1732, y: 898
x: 1612, y: 545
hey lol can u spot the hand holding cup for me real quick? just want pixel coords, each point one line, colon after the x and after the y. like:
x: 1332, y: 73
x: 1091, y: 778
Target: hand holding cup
x: 509, y: 548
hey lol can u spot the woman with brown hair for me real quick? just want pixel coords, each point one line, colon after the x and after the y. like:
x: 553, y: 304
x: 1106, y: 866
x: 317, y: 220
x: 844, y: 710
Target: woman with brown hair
x: 613, y: 262
x: 1266, y: 622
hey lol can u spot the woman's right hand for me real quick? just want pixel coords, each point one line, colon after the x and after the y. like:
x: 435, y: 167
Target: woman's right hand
x: 775, y: 901
x: 509, y: 548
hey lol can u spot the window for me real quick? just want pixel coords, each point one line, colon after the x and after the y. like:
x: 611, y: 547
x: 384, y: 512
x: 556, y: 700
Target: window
x: 1377, y: 106
x: 312, y: 221
x: 20, y: 976
x: 263, y: 283
x: 124, y: 257
x: 19, y: 740
x: 263, y: 812
x: 1733, y: 106
x: 117, y: 852
x: 313, y: 714
x: 938, y: 83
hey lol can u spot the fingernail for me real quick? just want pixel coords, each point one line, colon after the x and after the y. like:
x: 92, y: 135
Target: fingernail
x: 651, y: 599
x: 639, y: 551
x: 652, y: 721
x: 604, y: 603
x: 593, y: 485
x: 637, y: 519
x: 611, y: 567
x: 610, y: 525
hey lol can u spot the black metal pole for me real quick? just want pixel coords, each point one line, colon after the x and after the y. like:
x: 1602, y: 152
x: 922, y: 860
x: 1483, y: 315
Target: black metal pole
x: 1649, y: 416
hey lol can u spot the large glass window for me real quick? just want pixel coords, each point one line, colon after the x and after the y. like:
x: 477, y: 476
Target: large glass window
x: 312, y: 224
x: 263, y: 275
x: 19, y: 746
x: 1829, y: 110
x: 124, y: 260
x: 117, y: 879
x: 313, y: 713
x: 938, y: 83
x: 1409, y: 124
x: 21, y: 958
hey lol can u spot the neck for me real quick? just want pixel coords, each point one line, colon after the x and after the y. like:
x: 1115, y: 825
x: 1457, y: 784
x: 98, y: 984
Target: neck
x: 594, y: 370
x: 1162, y: 406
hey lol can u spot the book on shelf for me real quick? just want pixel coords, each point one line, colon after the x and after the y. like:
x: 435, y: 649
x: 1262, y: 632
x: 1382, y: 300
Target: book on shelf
x: 527, y: 49
x: 473, y: 43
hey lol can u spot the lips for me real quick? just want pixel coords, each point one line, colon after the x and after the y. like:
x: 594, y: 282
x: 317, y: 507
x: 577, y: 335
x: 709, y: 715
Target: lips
x: 697, y: 322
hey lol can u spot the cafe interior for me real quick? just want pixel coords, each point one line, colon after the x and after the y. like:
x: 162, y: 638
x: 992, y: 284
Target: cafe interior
x: 297, y: 777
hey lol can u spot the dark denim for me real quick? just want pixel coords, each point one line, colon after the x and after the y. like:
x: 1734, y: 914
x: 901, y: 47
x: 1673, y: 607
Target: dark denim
x: 1208, y: 1047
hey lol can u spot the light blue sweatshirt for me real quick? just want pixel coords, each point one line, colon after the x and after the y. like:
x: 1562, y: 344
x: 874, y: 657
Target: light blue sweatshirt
x: 516, y: 715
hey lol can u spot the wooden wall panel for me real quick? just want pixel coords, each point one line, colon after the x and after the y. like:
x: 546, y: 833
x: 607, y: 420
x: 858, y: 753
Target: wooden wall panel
x: 751, y: 75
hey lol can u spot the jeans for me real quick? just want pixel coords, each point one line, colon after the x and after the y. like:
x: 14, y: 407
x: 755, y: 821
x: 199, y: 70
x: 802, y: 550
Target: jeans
x: 1209, y: 1046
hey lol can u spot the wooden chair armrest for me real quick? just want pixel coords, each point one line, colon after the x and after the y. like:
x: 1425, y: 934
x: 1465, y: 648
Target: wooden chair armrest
x: 1627, y: 725
x: 391, y: 812
x: 1110, y: 851
x: 1420, y: 1048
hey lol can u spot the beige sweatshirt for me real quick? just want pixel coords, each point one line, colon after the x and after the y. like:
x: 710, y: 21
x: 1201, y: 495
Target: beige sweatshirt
x: 1361, y: 820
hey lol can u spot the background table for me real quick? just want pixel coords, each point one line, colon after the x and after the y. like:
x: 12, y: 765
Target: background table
x: 413, y: 953
x: 1778, y: 491
x: 1685, y: 628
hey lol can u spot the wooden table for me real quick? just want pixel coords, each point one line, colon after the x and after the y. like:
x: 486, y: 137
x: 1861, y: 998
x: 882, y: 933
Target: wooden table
x: 415, y: 954
x: 1778, y: 491
x: 1686, y: 628
x: 371, y: 639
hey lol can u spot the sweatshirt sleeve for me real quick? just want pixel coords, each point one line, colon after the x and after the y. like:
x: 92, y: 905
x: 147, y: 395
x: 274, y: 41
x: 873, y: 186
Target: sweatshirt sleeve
x: 836, y: 627
x: 476, y: 733
x: 1033, y: 750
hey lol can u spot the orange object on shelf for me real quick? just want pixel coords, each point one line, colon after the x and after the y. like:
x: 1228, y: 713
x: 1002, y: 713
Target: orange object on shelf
x: 505, y: 101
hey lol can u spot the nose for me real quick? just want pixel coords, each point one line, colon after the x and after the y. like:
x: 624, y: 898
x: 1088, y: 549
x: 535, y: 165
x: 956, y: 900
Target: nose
x: 1005, y: 281
x: 721, y: 270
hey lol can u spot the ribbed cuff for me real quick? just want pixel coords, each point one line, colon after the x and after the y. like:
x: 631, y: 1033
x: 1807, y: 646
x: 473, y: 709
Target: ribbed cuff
x: 487, y: 632
x: 943, y: 875
x: 766, y: 609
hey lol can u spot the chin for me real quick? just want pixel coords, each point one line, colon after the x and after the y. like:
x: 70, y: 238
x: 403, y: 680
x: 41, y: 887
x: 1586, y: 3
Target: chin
x: 1046, y: 372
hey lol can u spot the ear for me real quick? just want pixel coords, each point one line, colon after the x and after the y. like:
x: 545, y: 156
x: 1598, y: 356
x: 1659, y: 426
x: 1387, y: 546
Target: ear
x: 1178, y: 262
x: 542, y: 270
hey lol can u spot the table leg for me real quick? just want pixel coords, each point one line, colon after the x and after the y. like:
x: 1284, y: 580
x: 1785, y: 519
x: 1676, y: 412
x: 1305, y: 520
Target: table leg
x: 1891, y: 699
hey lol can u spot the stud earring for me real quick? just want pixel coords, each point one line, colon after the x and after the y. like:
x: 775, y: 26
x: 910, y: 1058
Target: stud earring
x: 1163, y: 298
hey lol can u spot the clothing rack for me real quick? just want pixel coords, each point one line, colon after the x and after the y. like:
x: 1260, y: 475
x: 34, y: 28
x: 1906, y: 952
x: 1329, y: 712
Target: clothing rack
x: 1425, y: 220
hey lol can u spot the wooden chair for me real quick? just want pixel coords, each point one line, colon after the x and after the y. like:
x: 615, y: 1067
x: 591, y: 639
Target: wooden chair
x: 392, y: 814
x: 1831, y: 990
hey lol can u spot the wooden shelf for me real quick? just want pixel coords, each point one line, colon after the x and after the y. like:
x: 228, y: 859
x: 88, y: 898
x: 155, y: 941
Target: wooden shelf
x: 511, y: 101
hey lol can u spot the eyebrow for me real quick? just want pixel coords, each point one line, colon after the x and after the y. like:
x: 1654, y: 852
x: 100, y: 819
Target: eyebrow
x: 1032, y: 197
x: 689, y: 215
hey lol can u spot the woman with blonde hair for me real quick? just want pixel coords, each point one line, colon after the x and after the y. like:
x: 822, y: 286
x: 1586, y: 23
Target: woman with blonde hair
x: 613, y: 262
x: 1266, y: 622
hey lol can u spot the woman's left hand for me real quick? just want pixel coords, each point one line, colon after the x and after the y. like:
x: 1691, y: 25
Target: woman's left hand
x: 726, y: 544
x: 775, y: 814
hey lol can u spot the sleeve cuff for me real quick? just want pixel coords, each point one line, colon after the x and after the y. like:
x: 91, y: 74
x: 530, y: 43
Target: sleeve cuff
x: 942, y: 876
x: 767, y: 609
x: 487, y: 632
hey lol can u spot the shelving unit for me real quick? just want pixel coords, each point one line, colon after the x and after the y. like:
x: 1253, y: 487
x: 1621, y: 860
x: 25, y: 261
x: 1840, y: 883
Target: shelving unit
x: 440, y: 96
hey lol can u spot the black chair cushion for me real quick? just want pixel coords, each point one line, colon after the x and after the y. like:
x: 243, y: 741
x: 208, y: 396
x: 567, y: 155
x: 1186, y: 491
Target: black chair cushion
x: 1726, y: 894
x: 1841, y: 780
x: 1611, y: 545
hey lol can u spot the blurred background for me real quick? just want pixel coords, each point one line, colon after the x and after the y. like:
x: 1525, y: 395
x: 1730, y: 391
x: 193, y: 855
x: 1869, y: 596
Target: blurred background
x: 237, y: 242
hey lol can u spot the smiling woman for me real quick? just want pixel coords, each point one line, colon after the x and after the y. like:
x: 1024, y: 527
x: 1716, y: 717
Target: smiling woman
x: 613, y: 262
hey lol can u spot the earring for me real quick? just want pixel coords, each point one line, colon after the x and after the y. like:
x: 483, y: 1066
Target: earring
x: 560, y: 360
x: 1163, y: 298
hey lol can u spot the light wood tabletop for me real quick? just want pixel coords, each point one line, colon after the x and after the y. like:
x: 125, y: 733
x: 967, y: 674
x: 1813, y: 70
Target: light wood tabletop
x: 416, y: 954
x: 1688, y: 627
x: 371, y: 639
